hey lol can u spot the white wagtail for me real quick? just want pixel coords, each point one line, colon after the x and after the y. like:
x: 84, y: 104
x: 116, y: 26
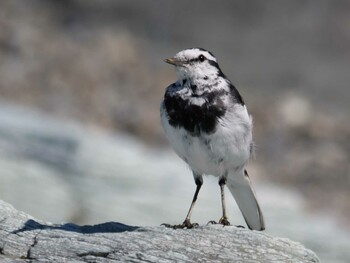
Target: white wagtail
x: 208, y: 125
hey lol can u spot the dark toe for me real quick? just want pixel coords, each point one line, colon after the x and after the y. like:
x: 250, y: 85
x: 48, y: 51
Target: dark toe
x: 223, y: 221
x: 186, y: 224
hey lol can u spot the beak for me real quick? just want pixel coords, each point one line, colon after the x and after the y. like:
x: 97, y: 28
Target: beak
x: 174, y: 61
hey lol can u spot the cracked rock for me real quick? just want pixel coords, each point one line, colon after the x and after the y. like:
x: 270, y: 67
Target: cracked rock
x: 24, y: 239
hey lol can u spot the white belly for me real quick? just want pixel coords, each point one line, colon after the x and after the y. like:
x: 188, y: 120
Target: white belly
x: 227, y: 148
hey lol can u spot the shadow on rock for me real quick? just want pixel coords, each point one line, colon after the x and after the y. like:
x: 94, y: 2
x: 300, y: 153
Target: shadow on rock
x: 109, y: 227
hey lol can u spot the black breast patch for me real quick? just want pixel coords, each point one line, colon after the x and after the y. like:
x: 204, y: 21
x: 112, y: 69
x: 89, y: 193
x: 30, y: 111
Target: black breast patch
x: 196, y: 119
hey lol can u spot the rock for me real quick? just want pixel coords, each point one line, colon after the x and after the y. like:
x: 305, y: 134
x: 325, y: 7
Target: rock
x: 22, y: 238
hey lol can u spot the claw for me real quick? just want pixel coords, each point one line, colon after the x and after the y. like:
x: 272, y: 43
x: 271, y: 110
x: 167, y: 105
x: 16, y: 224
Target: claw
x: 186, y: 224
x: 223, y: 221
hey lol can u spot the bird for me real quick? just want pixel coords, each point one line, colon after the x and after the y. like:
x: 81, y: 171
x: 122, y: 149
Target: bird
x: 207, y: 123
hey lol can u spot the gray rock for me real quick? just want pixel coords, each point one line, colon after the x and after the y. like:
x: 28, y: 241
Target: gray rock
x: 24, y: 239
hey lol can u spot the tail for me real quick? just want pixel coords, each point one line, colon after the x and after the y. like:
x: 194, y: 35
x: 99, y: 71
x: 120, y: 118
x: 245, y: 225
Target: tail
x: 241, y: 189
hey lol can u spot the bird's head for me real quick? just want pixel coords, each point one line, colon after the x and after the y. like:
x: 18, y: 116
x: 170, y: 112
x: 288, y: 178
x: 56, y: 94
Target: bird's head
x: 196, y: 65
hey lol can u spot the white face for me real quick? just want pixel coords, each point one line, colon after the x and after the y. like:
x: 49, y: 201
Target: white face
x: 196, y: 64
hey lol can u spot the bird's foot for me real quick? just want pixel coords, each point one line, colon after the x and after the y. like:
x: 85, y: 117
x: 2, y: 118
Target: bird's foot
x: 240, y: 226
x: 186, y: 224
x: 223, y: 221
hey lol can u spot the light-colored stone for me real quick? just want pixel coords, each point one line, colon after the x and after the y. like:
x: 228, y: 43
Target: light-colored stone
x: 23, y: 238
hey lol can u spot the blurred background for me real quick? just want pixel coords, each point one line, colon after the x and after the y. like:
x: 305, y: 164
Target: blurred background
x: 80, y: 86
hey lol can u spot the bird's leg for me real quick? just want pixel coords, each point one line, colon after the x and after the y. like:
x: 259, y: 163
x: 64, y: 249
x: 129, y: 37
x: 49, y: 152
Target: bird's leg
x: 223, y: 220
x: 187, y: 223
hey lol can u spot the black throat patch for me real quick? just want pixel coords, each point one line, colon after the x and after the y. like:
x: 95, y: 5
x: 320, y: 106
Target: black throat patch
x: 196, y: 119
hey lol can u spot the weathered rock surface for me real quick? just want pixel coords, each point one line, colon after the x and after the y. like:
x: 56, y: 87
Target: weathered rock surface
x: 24, y: 239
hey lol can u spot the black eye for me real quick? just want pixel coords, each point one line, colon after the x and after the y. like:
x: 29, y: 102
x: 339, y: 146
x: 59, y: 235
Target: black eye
x: 201, y: 58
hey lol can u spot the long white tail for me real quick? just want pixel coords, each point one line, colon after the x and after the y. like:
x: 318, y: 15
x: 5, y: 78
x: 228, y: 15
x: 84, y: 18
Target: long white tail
x: 241, y: 189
